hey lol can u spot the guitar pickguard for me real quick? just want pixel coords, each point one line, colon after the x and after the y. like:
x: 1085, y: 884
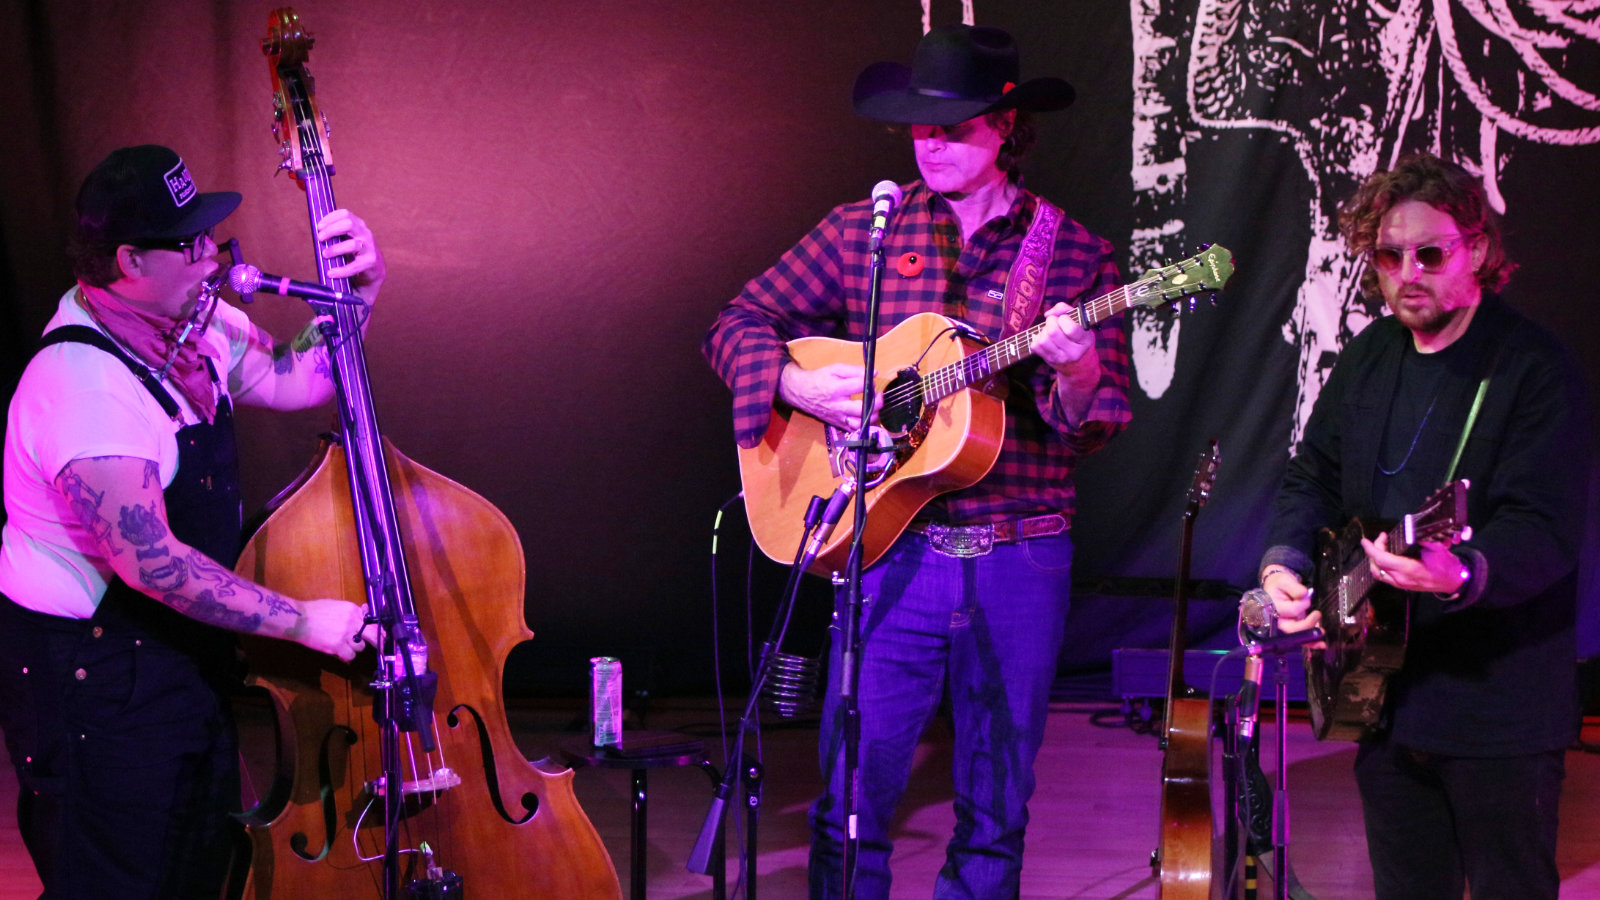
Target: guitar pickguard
x: 894, y: 442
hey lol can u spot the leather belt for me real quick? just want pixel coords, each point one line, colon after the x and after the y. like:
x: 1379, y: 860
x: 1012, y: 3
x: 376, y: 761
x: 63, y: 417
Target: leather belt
x: 966, y: 541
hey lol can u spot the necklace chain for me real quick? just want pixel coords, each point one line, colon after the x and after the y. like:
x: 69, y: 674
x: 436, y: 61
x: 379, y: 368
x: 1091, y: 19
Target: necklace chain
x: 1414, y: 438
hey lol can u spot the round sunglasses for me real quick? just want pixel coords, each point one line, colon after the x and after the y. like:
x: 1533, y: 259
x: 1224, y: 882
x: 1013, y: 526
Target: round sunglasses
x: 1429, y: 258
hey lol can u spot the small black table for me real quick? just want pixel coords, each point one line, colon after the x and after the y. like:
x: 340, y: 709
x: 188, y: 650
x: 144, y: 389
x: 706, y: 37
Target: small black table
x: 643, y: 751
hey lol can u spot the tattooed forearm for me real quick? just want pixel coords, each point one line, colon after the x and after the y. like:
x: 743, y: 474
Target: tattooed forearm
x: 207, y: 571
x: 85, y: 504
x: 169, y: 576
x: 204, y: 607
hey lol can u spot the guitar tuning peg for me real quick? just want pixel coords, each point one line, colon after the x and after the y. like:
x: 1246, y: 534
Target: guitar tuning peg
x: 1204, y: 247
x: 1213, y: 298
x: 1191, y: 304
x: 1177, y: 306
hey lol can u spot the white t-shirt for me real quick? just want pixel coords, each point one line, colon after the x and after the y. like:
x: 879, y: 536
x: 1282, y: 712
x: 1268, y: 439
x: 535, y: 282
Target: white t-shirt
x: 76, y: 401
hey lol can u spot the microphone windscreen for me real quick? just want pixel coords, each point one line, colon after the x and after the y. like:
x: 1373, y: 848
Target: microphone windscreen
x: 887, y: 189
x: 244, y: 278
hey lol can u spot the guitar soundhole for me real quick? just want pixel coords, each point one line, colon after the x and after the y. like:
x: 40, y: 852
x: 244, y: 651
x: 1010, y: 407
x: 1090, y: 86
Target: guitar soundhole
x: 902, y: 402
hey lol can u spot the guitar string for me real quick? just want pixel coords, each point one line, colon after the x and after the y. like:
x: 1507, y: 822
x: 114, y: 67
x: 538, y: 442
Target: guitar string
x: 939, y: 378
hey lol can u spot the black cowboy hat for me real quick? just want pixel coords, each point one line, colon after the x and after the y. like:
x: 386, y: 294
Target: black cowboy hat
x: 145, y: 193
x: 958, y: 72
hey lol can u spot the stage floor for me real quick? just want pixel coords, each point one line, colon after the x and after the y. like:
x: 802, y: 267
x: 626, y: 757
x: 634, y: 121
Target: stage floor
x: 1094, y: 818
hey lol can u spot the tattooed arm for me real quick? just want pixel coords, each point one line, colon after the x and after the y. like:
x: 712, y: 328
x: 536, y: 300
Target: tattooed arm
x: 298, y: 374
x: 118, y: 499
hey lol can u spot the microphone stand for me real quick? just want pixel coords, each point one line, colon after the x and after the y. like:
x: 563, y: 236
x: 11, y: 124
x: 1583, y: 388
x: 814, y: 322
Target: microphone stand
x: 819, y: 525
x: 1278, y: 647
x: 849, y: 656
x: 1280, y: 792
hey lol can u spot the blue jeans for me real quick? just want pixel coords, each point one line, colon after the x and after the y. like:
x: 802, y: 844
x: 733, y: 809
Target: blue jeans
x: 988, y: 630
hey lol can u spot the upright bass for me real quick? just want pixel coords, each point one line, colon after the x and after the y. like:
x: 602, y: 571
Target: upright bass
x: 375, y: 792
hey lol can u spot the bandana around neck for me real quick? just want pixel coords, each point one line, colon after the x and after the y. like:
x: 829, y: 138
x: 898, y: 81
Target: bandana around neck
x: 151, y: 338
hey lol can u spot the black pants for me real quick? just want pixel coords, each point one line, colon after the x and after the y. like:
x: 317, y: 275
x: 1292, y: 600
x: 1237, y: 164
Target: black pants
x: 125, y: 751
x: 1436, y: 822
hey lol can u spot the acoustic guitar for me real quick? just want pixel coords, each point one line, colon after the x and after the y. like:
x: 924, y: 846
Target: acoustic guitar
x: 1184, y: 858
x: 1367, y: 621
x: 935, y: 435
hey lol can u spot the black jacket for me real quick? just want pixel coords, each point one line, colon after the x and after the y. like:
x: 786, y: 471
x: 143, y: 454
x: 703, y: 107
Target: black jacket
x: 1492, y: 673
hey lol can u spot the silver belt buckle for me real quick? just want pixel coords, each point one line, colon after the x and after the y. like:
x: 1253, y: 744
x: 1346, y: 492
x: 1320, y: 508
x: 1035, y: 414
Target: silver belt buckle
x: 959, y: 541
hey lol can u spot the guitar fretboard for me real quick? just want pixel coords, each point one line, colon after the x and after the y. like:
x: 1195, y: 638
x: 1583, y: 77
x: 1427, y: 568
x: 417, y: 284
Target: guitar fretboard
x: 1436, y: 518
x: 962, y: 374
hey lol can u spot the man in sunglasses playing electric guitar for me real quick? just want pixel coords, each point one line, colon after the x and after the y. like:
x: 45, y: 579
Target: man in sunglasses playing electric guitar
x: 971, y: 597
x: 1460, y: 760
x: 118, y: 602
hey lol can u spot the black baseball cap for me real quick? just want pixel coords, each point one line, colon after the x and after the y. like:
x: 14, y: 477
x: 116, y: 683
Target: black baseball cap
x: 146, y: 193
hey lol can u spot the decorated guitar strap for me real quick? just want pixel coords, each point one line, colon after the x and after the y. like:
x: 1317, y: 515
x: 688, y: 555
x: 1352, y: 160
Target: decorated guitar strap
x: 1025, y: 284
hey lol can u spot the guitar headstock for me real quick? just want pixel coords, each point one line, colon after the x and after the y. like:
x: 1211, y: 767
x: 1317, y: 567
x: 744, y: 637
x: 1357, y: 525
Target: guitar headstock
x: 1206, y: 272
x: 1442, y: 517
x: 1205, y: 475
x: 300, y: 128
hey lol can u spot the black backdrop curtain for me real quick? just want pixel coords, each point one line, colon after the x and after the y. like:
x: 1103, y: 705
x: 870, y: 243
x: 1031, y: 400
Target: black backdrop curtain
x: 567, y: 192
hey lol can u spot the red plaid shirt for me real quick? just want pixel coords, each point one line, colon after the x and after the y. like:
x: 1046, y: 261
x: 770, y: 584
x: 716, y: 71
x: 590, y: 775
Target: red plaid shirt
x: 820, y: 288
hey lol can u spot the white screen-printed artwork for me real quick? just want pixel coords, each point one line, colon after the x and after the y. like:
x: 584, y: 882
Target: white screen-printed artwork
x: 1350, y: 87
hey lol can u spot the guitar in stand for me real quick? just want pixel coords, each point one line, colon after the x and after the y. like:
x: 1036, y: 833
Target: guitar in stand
x: 1367, y: 621
x: 1184, y: 858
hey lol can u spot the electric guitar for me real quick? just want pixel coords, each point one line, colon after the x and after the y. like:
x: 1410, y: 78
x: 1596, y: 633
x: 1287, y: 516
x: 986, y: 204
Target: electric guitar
x: 934, y: 435
x: 1367, y: 621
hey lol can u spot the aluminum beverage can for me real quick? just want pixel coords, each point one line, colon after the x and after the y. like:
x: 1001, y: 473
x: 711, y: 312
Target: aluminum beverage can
x: 606, y: 700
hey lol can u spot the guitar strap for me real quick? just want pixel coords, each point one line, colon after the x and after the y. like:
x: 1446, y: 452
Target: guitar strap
x: 1477, y: 403
x: 1025, y: 284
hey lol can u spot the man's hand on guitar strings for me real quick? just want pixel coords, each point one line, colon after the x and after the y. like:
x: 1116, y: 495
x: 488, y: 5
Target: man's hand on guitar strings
x: 1437, y: 570
x: 831, y: 393
x: 1292, y: 602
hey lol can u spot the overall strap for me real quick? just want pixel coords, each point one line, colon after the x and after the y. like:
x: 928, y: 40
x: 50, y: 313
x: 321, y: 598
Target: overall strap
x: 83, y: 334
x: 1025, y: 284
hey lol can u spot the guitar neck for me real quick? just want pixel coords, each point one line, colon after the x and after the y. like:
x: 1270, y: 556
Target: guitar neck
x: 1177, y: 683
x: 1003, y: 354
x: 1360, y: 579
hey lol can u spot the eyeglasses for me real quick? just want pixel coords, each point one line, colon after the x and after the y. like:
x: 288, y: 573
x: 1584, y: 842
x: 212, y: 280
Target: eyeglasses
x: 1428, y: 258
x: 192, y: 248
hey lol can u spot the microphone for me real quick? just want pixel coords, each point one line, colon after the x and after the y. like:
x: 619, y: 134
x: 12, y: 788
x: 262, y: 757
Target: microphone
x: 1248, y: 702
x: 886, y: 196
x: 830, y: 517
x: 247, y: 279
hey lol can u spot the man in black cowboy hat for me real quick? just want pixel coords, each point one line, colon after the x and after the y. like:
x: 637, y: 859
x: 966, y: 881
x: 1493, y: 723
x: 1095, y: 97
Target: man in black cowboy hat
x: 117, y: 599
x: 972, y: 599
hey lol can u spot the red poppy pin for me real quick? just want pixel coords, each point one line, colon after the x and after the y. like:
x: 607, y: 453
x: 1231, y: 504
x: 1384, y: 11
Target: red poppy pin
x: 909, y: 265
